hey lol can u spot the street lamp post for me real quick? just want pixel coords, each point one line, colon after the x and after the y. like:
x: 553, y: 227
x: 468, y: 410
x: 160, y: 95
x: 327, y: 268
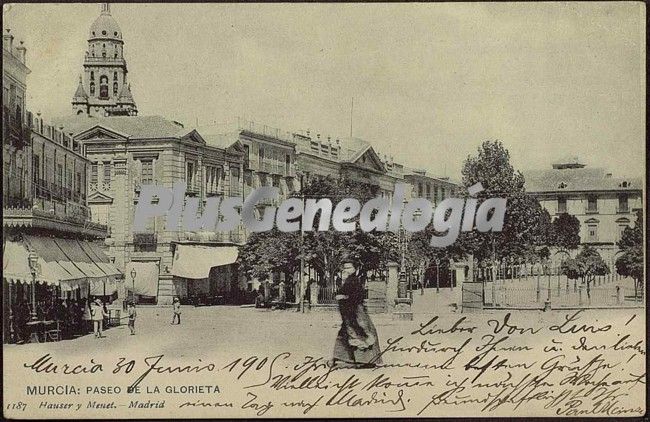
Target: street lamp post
x: 452, y: 273
x: 437, y: 275
x: 133, y: 274
x: 33, y: 267
x: 547, y: 305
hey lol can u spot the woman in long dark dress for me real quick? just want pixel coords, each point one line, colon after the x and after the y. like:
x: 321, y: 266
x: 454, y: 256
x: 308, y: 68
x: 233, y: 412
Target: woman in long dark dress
x: 357, y: 343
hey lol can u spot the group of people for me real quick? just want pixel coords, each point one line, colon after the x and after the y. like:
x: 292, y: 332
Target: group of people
x: 71, y: 315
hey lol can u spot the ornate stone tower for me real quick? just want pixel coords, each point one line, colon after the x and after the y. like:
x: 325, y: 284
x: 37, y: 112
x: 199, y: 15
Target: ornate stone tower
x: 103, y: 88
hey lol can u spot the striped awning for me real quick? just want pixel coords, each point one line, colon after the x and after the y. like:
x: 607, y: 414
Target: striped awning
x: 15, y: 264
x: 79, y: 258
x: 99, y: 257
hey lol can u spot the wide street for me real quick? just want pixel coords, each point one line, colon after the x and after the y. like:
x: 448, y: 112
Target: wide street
x: 256, y: 353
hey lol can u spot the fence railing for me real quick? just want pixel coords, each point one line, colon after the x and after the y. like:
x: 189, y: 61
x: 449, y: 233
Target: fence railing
x: 537, y: 286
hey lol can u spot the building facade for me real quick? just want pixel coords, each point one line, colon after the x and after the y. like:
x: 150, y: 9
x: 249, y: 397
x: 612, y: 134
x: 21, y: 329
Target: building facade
x: 605, y: 205
x: 103, y: 88
x: 16, y: 186
x: 50, y: 247
x: 289, y: 160
x: 126, y: 152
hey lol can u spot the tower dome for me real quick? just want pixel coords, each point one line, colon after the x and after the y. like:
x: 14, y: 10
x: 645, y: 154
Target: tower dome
x: 103, y: 89
x: 105, y: 27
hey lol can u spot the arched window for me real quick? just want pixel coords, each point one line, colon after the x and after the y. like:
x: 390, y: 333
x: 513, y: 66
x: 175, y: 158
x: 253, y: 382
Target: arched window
x: 92, y: 75
x: 103, y: 86
x: 114, y: 76
x: 114, y: 88
x: 103, y: 53
x: 92, y: 88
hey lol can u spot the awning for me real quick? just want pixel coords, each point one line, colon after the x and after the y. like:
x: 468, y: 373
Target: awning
x: 195, y: 261
x: 15, y: 264
x: 76, y: 255
x: 146, y: 278
x: 103, y: 287
x: 69, y: 255
x: 99, y: 257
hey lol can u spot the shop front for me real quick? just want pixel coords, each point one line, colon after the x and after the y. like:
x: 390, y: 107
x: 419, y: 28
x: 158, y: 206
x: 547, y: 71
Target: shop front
x: 207, y: 274
x: 46, y: 284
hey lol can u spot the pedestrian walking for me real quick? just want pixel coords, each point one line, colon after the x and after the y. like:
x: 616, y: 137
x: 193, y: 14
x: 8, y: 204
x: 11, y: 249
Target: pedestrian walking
x: 98, y: 314
x: 177, y: 311
x: 133, y: 314
x: 357, y: 343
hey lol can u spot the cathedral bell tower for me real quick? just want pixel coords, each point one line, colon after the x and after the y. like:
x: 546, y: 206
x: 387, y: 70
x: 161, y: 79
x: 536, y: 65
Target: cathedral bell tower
x: 103, y: 89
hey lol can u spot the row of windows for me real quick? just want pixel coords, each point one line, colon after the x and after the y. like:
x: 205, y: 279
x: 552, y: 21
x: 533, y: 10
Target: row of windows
x: 56, y: 180
x: 438, y: 193
x: 106, y: 173
x: 213, y: 177
x: 272, y: 156
x: 592, y: 232
x: 104, y: 77
x: 115, y: 51
x: 592, y: 204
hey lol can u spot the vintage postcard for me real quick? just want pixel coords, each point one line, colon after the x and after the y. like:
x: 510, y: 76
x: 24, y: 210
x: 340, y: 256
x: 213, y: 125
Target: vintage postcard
x: 302, y: 210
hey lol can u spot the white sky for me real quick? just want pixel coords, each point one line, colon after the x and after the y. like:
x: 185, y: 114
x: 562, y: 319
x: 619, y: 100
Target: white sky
x: 429, y: 82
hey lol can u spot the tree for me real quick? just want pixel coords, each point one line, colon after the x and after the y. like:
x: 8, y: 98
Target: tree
x: 586, y: 266
x: 527, y: 225
x: 267, y: 252
x: 630, y: 262
x: 420, y: 255
x: 326, y: 251
x: 565, y: 233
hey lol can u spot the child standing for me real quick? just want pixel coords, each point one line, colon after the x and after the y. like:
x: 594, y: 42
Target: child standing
x: 132, y: 315
x: 177, y: 311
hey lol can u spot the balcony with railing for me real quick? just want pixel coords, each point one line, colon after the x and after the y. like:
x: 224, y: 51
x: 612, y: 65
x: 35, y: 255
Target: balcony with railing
x: 50, y: 206
x: 137, y: 184
x: 14, y: 132
x: 111, y: 60
x: 235, y: 236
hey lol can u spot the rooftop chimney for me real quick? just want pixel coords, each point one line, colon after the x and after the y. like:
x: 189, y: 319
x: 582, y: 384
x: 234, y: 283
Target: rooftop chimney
x: 22, y: 52
x: 8, y: 41
x: 608, y: 175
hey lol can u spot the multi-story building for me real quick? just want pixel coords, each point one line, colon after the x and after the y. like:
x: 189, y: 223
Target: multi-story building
x: 50, y: 246
x: 288, y: 160
x: 103, y: 88
x: 605, y: 205
x: 126, y: 152
x: 15, y: 124
x: 348, y: 158
x: 434, y: 189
